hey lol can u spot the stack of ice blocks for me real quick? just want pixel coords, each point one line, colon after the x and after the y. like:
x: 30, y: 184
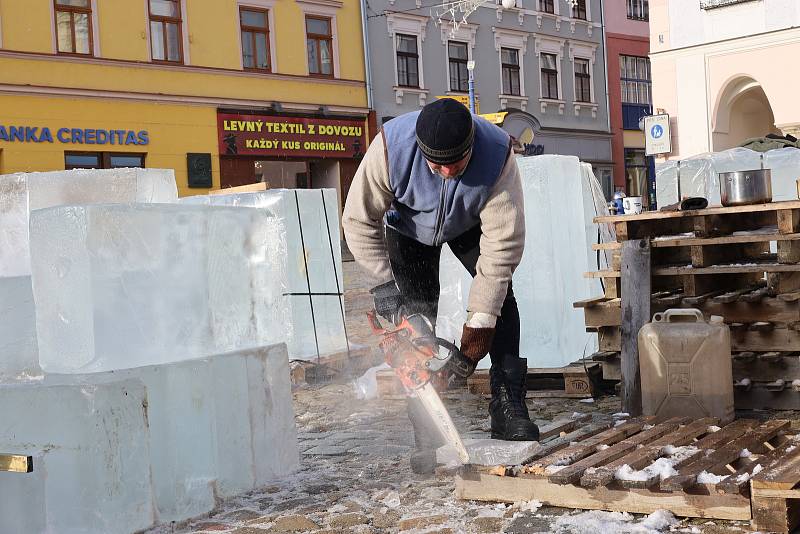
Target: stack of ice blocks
x: 313, y: 263
x: 562, y: 196
x: 160, y: 393
x: 22, y: 193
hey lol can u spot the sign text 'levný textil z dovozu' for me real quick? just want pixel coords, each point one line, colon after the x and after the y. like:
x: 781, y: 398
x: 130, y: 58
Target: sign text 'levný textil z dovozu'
x: 270, y: 135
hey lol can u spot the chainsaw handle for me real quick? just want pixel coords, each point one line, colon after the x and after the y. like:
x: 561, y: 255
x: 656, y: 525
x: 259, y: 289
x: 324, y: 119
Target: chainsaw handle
x: 375, y: 324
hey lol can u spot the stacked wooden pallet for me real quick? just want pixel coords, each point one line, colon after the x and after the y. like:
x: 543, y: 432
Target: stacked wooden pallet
x: 742, y: 471
x: 718, y: 260
x: 576, y: 381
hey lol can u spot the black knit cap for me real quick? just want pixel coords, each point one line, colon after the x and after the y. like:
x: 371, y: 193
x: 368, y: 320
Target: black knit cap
x: 445, y: 131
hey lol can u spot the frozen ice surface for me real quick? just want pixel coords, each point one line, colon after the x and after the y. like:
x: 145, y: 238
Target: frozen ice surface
x: 617, y: 522
x: 309, y: 217
x: 710, y: 478
x: 128, y: 285
x: 550, y: 277
x: 489, y: 452
x: 91, y: 464
x: 699, y: 174
x: 24, y: 192
x: 218, y: 426
x: 19, y: 355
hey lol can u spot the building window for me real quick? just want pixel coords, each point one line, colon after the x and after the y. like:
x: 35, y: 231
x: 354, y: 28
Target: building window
x: 638, y: 10
x: 509, y: 59
x: 407, y: 61
x: 636, y: 172
x: 74, y: 26
x: 319, y: 40
x: 583, y: 81
x: 635, y: 80
x: 458, y: 56
x: 102, y: 160
x: 166, y: 36
x: 549, y: 76
x: 255, y: 38
x: 547, y: 6
x: 579, y: 10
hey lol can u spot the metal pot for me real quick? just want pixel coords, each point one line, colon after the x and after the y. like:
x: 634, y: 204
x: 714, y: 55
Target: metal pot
x: 740, y: 188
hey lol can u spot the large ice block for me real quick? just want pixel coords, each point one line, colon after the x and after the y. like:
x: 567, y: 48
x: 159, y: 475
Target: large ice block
x: 700, y: 174
x: 313, y: 263
x: 218, y: 426
x: 24, y: 192
x: 19, y: 355
x: 562, y: 197
x: 91, y: 463
x: 121, y: 286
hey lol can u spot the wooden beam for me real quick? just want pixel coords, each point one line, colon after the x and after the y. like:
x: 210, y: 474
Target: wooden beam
x: 716, y: 461
x: 641, y: 458
x: 485, y: 487
x: 782, y: 476
x: 775, y: 514
x: 573, y: 472
x: 717, y: 210
x: 636, y: 286
x: 16, y: 463
x: 248, y: 188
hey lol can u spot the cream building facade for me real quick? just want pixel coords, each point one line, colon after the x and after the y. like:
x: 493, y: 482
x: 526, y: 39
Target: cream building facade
x: 725, y: 70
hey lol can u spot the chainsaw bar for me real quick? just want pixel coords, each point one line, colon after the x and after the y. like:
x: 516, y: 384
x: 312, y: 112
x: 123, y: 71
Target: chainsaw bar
x: 438, y: 413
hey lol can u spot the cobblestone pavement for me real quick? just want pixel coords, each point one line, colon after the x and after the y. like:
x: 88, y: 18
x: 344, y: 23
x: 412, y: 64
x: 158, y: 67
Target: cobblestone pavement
x: 354, y: 475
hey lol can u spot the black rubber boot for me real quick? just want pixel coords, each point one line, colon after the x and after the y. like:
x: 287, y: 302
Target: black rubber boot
x: 507, y: 409
x: 427, y: 438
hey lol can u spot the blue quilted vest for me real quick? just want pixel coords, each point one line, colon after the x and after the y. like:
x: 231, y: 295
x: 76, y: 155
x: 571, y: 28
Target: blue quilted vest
x: 426, y: 207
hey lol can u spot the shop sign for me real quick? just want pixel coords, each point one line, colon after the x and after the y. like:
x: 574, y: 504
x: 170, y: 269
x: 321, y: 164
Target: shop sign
x: 464, y: 100
x: 270, y: 135
x: 73, y: 136
x: 495, y: 118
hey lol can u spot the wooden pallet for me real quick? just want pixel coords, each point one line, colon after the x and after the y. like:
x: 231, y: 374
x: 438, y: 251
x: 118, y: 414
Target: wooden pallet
x: 713, y: 249
x: 573, y: 381
x: 581, y: 473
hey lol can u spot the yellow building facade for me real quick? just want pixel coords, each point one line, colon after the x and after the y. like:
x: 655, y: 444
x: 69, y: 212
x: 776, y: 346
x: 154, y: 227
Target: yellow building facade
x: 162, y: 83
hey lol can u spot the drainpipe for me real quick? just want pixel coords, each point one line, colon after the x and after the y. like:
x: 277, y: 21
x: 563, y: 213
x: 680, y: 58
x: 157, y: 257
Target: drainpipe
x: 367, y: 69
x: 605, y: 62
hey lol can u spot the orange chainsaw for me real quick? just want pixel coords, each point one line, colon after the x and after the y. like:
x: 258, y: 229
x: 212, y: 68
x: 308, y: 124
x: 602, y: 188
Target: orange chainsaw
x: 412, y: 351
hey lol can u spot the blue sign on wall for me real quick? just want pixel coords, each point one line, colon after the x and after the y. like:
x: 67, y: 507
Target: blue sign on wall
x: 73, y: 136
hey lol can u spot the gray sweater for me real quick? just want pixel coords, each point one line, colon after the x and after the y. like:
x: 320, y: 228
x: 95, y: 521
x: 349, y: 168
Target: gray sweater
x: 502, y: 228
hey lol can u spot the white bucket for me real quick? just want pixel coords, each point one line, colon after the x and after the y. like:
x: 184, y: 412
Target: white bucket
x: 632, y: 205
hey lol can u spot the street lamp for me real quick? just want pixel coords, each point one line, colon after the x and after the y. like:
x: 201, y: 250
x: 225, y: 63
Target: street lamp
x: 470, y: 69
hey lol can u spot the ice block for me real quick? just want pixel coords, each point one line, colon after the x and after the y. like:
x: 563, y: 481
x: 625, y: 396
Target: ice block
x: 313, y: 263
x: 19, y: 355
x: 700, y: 174
x: 561, y: 199
x: 24, y: 192
x: 218, y: 426
x: 91, y: 463
x: 121, y: 286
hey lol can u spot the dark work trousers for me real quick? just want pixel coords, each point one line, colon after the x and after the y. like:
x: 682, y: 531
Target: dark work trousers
x: 416, y: 271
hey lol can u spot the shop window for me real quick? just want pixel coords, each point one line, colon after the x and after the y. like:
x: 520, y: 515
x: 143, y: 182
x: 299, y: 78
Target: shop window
x: 583, y: 81
x: 74, y: 26
x: 638, y: 10
x: 549, y: 73
x: 579, y: 10
x: 509, y: 58
x: 102, y: 160
x: 319, y: 41
x: 407, y: 61
x: 636, y: 172
x: 458, y: 55
x: 255, y: 39
x: 635, y: 80
x: 166, y: 36
x: 547, y: 6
